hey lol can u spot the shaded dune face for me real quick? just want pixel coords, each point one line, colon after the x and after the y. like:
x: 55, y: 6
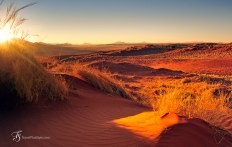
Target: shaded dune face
x: 182, y: 132
x: 8, y: 97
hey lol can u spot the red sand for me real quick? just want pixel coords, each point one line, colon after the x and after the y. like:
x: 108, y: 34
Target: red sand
x: 94, y: 118
x: 221, y: 66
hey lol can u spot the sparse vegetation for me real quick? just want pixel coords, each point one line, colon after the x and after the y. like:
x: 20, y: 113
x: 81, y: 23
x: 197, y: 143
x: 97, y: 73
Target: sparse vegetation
x: 195, y: 99
x: 208, y: 97
x: 103, y: 80
x: 23, y: 73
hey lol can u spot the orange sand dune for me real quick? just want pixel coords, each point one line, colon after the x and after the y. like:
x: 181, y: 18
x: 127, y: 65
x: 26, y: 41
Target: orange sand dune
x: 94, y: 118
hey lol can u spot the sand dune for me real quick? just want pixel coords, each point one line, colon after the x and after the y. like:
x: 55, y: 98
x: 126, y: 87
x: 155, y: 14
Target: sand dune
x: 194, y: 133
x: 86, y: 120
x: 93, y: 118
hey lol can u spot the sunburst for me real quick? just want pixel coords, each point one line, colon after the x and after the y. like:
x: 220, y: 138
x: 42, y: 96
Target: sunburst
x: 6, y: 33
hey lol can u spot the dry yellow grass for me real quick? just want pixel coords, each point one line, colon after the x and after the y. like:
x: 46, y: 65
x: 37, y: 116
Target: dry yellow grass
x: 103, y: 80
x: 23, y: 73
x: 192, y: 99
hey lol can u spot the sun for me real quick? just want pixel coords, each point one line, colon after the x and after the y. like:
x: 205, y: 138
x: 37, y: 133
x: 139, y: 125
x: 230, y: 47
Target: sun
x: 6, y: 34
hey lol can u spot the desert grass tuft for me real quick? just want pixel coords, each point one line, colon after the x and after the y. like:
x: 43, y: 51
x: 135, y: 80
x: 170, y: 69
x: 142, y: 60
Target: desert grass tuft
x: 101, y: 79
x: 192, y: 99
x: 20, y: 69
x: 104, y: 81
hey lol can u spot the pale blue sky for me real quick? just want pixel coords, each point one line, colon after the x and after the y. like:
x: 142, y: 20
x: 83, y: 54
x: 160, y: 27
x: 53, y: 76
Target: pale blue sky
x: 108, y: 21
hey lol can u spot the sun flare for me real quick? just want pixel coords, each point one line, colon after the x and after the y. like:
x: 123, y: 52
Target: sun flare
x: 6, y: 34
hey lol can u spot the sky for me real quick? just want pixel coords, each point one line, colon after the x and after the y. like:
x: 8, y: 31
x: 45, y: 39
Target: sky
x: 132, y: 21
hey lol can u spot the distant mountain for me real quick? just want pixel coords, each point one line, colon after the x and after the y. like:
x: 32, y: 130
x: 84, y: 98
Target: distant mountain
x: 119, y: 42
x: 86, y: 43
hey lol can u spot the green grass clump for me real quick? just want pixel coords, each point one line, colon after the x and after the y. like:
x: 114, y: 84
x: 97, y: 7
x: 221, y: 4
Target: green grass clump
x: 21, y: 71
